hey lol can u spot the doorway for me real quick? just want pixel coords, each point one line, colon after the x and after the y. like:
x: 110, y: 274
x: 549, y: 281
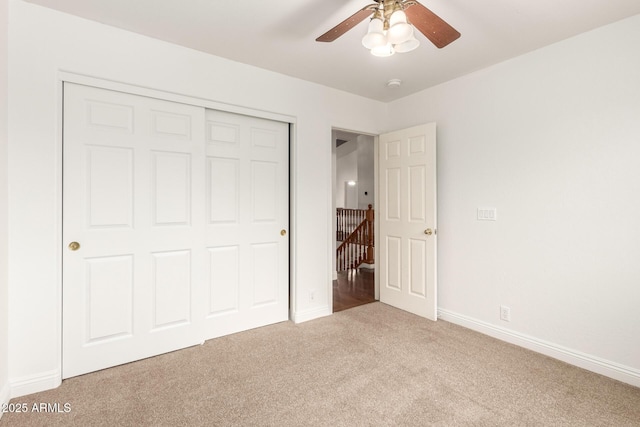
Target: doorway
x: 404, y: 175
x: 354, y: 208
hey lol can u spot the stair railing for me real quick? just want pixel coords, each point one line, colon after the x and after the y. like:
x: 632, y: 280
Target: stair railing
x: 358, y: 246
x: 347, y: 220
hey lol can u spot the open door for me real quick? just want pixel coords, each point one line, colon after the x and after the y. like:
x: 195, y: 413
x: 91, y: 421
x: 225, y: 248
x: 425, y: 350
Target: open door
x: 408, y: 222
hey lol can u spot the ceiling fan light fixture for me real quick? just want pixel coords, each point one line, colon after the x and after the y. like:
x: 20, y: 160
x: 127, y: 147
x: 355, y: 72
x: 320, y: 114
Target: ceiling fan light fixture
x: 399, y: 29
x: 400, y: 33
x: 383, y: 51
x: 374, y: 40
x: 389, y: 28
x: 375, y: 36
x: 408, y: 45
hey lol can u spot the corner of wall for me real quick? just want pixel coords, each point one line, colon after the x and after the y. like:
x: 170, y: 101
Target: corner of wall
x: 35, y: 383
x: 4, y: 321
x: 4, y: 396
x: 311, y: 314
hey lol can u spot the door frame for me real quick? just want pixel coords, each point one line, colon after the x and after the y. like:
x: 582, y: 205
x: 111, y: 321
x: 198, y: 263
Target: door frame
x: 70, y: 77
x: 332, y: 213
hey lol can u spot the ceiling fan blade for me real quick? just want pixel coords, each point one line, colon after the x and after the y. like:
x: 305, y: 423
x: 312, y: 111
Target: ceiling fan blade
x: 347, y: 24
x: 431, y: 25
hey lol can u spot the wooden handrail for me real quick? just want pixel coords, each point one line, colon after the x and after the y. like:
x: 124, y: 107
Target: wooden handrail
x: 358, y: 246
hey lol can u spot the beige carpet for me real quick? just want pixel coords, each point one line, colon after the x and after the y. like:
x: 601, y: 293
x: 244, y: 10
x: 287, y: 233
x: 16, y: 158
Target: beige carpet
x: 369, y: 366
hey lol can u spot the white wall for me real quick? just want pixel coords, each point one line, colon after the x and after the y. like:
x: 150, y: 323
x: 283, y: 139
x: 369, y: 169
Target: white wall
x: 43, y: 42
x: 346, y: 170
x: 4, y: 339
x: 366, y: 172
x: 354, y: 162
x: 552, y: 140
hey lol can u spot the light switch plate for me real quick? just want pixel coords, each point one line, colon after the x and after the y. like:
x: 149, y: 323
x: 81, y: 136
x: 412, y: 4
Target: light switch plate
x: 487, y: 214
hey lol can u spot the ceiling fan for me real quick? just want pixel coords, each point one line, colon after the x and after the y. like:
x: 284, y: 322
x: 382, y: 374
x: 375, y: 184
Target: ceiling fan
x: 390, y: 27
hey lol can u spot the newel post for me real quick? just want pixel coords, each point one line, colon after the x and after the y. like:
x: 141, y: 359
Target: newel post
x: 369, y: 217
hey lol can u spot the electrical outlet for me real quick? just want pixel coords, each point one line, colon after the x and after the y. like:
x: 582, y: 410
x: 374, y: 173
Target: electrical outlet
x: 505, y: 313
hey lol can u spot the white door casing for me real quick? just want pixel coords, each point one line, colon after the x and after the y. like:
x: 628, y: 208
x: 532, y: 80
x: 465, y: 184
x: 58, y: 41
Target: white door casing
x: 408, y: 220
x: 137, y: 196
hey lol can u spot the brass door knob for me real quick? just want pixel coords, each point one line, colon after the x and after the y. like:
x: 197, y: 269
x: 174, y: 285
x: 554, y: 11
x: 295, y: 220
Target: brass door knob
x: 283, y: 232
x: 428, y: 232
x: 74, y: 246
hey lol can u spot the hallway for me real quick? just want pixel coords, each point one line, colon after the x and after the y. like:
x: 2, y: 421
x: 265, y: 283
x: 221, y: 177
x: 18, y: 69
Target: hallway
x: 353, y: 288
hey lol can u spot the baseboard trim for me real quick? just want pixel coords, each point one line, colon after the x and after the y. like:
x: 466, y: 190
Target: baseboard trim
x: 4, y: 396
x: 585, y: 361
x: 35, y: 383
x: 307, y: 315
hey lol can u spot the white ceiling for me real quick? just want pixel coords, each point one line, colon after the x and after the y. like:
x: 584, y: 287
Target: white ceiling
x: 279, y: 35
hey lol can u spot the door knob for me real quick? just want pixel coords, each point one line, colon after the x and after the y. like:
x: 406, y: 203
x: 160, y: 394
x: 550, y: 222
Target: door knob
x: 428, y: 232
x: 283, y: 232
x: 74, y: 246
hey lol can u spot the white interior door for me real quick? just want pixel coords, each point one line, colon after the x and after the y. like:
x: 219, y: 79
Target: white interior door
x: 143, y: 199
x: 247, y: 222
x: 408, y: 222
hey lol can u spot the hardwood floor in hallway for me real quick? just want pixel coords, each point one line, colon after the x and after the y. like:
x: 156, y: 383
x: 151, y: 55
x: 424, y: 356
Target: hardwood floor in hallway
x: 353, y: 288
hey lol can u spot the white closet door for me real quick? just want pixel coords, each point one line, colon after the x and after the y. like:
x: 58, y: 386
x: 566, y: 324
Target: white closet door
x: 247, y: 222
x: 149, y: 207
